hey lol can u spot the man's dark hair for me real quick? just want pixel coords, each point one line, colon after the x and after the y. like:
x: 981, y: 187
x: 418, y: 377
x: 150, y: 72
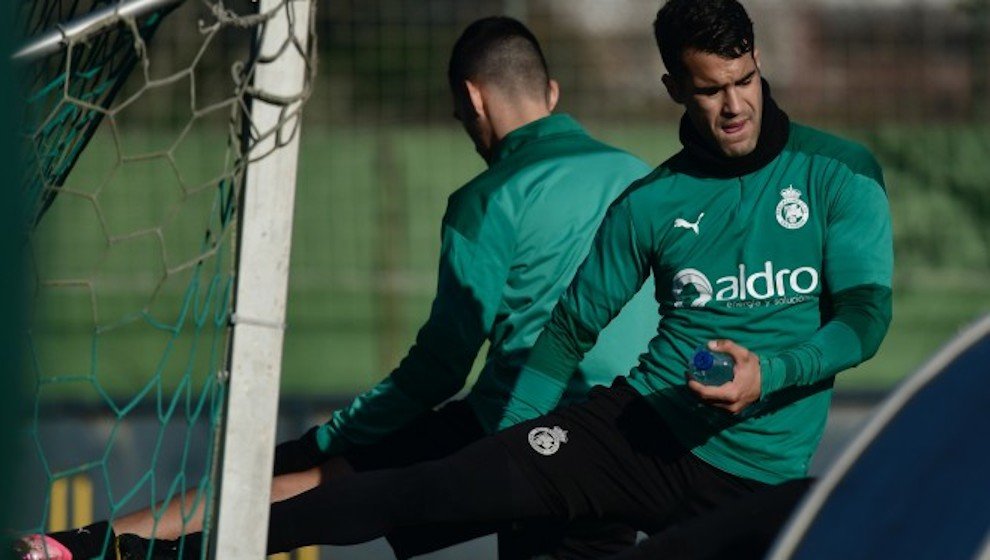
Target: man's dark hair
x: 500, y: 51
x: 719, y: 27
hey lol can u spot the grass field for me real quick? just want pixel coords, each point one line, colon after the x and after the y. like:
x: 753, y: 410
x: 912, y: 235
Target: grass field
x: 368, y: 208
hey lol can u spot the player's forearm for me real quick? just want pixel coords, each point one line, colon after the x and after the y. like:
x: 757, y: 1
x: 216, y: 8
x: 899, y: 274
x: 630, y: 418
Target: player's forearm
x: 560, y: 346
x: 472, y: 275
x: 437, y: 366
x: 368, y: 418
x: 852, y: 336
x: 435, y: 369
x: 553, y: 360
x: 610, y: 276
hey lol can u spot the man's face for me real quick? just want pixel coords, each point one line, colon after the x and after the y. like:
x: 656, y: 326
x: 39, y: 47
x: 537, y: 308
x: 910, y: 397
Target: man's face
x: 723, y: 99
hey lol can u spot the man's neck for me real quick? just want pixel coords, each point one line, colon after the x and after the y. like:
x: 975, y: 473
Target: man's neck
x: 508, y: 114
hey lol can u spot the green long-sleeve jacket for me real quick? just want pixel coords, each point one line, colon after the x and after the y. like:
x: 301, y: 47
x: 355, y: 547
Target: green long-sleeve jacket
x: 512, y: 239
x: 792, y: 261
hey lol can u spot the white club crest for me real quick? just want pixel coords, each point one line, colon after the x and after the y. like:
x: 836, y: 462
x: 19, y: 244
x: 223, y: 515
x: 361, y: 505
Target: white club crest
x: 792, y: 212
x: 546, y: 441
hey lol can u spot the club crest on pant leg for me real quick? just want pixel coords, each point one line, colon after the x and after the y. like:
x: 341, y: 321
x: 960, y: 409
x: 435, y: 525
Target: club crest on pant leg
x: 546, y: 441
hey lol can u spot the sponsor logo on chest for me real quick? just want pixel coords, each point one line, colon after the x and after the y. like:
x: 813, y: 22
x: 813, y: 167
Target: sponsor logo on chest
x: 768, y: 286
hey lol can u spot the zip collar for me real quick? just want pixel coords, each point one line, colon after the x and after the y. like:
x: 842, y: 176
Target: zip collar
x: 552, y: 125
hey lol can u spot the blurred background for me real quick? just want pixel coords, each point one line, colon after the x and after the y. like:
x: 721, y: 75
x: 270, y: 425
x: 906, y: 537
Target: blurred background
x: 381, y: 152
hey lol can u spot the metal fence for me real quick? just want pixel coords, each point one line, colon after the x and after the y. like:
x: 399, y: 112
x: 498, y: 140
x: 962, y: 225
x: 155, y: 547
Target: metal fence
x: 851, y: 62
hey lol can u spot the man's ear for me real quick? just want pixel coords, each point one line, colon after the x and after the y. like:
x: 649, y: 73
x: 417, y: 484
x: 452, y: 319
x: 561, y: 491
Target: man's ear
x: 476, y: 98
x: 673, y: 89
x: 553, y: 94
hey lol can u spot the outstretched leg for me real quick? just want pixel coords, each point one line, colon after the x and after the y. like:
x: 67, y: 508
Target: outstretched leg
x: 182, y: 515
x: 479, y: 484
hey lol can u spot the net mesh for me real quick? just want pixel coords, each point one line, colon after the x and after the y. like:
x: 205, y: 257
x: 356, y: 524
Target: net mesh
x: 136, y: 160
x: 71, y: 91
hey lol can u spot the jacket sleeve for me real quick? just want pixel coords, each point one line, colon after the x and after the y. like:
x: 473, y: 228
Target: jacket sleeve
x: 858, y: 266
x: 474, y: 264
x: 610, y: 276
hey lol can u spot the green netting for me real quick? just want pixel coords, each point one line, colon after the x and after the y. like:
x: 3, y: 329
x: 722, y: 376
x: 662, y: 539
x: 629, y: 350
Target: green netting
x: 71, y: 90
x: 132, y: 266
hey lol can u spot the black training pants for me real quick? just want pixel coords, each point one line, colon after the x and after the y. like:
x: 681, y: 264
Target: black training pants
x: 479, y: 484
x: 743, y: 529
x: 613, y: 460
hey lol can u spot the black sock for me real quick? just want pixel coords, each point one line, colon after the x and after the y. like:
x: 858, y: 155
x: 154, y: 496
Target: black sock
x: 87, y: 542
x: 191, y: 544
x: 135, y: 547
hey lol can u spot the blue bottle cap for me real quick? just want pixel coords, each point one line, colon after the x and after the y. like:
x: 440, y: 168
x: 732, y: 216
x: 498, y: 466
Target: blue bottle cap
x: 703, y: 360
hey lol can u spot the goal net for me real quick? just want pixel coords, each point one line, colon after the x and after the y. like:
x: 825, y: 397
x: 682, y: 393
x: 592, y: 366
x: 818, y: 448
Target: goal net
x: 141, y: 133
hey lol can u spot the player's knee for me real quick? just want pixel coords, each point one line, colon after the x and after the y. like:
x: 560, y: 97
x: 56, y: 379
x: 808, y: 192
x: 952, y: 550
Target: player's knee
x: 334, y: 468
x: 289, y: 485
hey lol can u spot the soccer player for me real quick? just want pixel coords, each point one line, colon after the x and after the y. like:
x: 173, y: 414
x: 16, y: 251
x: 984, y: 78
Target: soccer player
x: 767, y: 240
x: 512, y: 239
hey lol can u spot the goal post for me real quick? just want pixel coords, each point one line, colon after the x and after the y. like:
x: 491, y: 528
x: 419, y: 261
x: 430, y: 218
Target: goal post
x: 160, y: 142
x: 262, y: 280
x: 92, y: 23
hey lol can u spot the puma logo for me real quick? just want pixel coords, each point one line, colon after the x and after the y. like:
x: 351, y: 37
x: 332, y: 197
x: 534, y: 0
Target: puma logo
x: 682, y: 223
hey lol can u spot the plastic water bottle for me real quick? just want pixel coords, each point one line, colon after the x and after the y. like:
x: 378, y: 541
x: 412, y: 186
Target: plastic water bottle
x: 711, y: 368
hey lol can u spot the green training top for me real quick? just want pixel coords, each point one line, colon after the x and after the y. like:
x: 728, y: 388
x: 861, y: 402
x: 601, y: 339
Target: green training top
x: 792, y: 261
x: 512, y: 239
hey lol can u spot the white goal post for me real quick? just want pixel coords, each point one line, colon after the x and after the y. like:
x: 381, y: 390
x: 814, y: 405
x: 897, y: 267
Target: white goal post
x: 78, y: 59
x: 262, y: 283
